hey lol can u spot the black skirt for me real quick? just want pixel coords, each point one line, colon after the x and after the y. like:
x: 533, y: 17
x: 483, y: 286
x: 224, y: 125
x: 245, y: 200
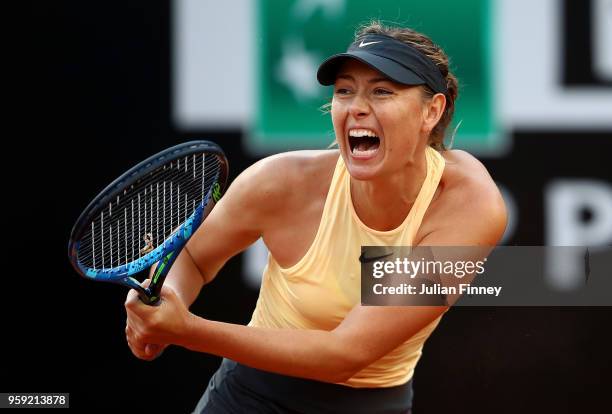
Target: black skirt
x: 236, y: 388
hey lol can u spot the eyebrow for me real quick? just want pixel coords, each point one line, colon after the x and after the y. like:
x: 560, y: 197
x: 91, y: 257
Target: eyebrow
x: 373, y: 80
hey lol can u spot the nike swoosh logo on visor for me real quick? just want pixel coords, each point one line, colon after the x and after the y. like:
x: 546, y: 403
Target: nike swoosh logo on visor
x: 362, y: 44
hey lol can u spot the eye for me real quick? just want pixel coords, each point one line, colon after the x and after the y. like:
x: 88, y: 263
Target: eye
x: 342, y: 91
x: 382, y: 91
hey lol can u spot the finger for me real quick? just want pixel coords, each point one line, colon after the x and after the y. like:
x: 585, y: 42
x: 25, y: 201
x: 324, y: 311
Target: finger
x: 135, y: 339
x: 130, y: 333
x: 135, y: 344
x: 131, y: 299
x: 153, y: 351
x: 139, y: 349
x: 135, y: 315
x: 157, y: 350
x: 142, y: 351
x: 137, y: 312
x: 138, y: 353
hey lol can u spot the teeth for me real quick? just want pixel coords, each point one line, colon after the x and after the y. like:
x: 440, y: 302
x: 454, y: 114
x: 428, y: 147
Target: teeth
x: 361, y: 133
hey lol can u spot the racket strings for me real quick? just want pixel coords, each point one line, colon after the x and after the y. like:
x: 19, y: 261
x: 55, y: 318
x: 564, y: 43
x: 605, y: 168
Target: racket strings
x: 148, y: 212
x: 155, y: 222
x: 153, y: 225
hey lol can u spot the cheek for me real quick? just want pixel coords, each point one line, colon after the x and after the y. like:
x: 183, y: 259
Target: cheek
x: 338, y: 118
x: 405, y: 118
x: 401, y: 127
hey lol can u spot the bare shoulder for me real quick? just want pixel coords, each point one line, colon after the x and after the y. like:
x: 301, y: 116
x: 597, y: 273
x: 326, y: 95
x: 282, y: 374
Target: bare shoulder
x: 466, y: 177
x: 273, y: 185
x: 281, y: 174
x: 467, y: 200
x: 305, y: 167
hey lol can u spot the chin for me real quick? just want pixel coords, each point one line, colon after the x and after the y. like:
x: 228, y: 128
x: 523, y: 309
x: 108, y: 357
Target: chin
x: 362, y: 172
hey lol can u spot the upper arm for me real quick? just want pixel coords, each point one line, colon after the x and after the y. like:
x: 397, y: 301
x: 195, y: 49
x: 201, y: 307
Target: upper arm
x: 240, y: 217
x: 470, y: 211
x: 475, y: 216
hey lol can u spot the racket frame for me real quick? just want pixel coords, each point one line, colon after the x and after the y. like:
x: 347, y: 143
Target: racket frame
x: 167, y: 252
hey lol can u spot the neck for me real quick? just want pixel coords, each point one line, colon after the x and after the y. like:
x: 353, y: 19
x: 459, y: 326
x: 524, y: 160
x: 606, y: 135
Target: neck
x: 393, y: 195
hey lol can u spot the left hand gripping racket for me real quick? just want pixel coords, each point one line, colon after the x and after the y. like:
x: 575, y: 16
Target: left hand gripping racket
x: 147, y: 215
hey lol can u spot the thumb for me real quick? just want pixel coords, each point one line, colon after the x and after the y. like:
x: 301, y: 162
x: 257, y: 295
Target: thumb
x: 151, y: 349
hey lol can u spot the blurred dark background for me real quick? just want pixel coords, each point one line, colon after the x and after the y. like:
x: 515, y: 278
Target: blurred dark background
x: 96, y: 97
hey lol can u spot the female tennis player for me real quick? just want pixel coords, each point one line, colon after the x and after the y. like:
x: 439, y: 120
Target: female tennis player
x: 310, y: 346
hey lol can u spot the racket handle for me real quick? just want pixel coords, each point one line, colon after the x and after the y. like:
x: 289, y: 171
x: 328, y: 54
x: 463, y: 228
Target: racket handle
x: 153, y: 295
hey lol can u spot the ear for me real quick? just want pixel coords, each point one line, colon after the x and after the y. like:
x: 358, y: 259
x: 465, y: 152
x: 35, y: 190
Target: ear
x: 432, y: 111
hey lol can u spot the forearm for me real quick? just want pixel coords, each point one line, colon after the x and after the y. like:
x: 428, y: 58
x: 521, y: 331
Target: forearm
x: 314, y: 354
x: 184, y: 278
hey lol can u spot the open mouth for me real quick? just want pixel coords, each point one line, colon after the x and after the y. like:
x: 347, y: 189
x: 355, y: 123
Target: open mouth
x: 363, y: 142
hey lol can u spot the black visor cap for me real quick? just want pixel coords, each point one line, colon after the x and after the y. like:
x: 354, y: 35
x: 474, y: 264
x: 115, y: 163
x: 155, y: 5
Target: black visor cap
x: 394, y: 59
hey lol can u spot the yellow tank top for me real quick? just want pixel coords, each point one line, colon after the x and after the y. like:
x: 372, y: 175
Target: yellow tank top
x: 319, y: 290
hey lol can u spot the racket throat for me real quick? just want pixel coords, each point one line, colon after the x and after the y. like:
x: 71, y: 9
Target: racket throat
x: 152, y: 293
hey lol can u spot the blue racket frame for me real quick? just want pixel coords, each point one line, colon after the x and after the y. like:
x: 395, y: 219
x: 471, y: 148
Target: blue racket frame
x: 167, y: 252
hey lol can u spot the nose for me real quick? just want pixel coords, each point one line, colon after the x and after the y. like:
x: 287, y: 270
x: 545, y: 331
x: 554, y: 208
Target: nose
x: 359, y: 107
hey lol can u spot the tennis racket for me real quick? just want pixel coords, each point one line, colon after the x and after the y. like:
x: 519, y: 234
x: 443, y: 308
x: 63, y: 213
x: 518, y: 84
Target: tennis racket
x: 147, y: 215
